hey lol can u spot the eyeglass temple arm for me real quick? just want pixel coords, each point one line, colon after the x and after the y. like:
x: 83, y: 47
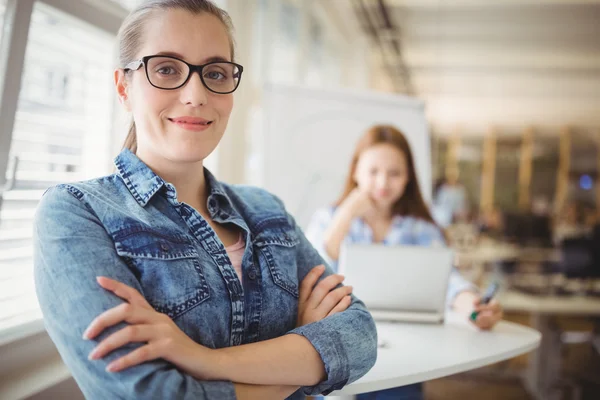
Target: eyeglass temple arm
x: 134, y: 65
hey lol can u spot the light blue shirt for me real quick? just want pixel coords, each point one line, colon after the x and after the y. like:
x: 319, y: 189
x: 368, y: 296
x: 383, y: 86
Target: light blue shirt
x: 403, y: 231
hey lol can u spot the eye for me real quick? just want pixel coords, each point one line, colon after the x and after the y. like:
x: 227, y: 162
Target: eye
x: 166, y: 70
x: 215, y: 75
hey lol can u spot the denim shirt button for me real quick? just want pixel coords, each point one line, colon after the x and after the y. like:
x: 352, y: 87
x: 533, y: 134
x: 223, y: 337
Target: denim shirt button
x: 164, y: 247
x: 252, y: 274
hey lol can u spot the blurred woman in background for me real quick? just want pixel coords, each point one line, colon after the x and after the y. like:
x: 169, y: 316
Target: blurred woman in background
x: 382, y: 203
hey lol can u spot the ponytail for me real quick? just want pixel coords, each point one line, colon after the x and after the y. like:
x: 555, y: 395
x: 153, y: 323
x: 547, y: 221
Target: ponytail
x: 131, y: 139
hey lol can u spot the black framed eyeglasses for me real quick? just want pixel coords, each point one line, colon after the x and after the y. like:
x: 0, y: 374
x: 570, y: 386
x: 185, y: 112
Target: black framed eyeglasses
x: 169, y: 73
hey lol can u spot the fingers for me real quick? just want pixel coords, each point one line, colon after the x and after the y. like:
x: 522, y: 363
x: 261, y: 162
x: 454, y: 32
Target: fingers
x: 125, y: 292
x: 322, y: 289
x: 493, y: 307
x: 122, y: 313
x: 138, y: 356
x: 129, y: 334
x: 356, y: 192
x: 309, y: 282
x: 145, y: 326
x: 341, y: 306
x: 332, y: 300
x: 317, y: 300
x: 365, y: 197
x: 485, y: 321
x: 489, y: 315
x: 499, y: 312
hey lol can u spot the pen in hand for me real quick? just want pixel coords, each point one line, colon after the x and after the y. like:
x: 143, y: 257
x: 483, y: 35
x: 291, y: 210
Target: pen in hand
x: 489, y: 294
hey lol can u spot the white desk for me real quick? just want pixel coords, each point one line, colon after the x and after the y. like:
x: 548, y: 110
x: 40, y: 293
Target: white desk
x: 543, y: 370
x: 421, y: 352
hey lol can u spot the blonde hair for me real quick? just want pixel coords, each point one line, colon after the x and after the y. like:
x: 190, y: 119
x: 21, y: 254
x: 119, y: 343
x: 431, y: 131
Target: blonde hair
x: 131, y: 35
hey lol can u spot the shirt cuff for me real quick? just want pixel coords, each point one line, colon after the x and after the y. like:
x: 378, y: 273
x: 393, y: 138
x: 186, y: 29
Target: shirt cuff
x: 464, y: 287
x: 328, y: 344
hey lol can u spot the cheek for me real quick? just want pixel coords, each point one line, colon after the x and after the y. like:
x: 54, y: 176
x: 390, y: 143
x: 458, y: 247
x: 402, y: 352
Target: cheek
x: 404, y: 183
x: 400, y: 184
x: 149, y: 102
x: 365, y: 181
x: 224, y: 104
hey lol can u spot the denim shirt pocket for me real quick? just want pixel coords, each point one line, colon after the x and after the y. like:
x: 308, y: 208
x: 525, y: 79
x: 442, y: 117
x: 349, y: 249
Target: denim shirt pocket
x: 277, y: 244
x: 167, y: 266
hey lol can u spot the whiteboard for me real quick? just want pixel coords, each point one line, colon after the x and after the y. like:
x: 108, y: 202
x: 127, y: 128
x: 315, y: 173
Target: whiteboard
x: 310, y: 134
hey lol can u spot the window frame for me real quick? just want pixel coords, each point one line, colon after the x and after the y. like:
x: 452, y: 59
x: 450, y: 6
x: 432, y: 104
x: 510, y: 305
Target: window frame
x: 13, y: 44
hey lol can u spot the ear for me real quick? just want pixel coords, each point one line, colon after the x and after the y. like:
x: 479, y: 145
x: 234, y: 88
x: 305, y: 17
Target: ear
x: 122, y: 86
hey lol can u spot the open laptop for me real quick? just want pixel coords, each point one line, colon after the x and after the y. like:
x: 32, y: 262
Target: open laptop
x: 399, y: 283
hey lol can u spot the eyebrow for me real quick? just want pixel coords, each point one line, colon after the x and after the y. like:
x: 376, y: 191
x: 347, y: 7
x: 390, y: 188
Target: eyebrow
x: 177, y: 55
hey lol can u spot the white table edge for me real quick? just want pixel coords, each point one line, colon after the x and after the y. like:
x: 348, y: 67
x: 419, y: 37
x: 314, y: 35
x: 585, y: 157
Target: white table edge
x: 358, y: 387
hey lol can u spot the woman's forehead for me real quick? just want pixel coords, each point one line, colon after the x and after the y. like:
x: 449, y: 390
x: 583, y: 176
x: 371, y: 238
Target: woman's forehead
x: 194, y: 37
x: 383, y: 152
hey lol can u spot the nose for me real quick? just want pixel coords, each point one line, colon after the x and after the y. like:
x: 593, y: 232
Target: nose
x: 381, y: 181
x: 193, y: 92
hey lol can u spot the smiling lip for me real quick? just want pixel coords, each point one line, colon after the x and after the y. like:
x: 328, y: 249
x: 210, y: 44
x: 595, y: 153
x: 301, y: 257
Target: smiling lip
x: 191, y: 123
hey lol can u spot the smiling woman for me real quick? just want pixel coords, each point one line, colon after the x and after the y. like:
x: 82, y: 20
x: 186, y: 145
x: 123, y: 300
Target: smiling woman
x: 214, y: 41
x: 173, y: 284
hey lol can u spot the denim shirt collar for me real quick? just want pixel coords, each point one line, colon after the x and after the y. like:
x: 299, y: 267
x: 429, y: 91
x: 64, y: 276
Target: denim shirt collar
x: 143, y: 183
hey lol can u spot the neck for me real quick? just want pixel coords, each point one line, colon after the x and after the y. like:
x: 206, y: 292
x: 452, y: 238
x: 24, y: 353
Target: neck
x: 379, y: 215
x: 187, y: 177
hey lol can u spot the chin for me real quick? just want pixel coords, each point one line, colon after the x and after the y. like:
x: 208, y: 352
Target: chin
x: 189, y: 154
x: 383, y: 203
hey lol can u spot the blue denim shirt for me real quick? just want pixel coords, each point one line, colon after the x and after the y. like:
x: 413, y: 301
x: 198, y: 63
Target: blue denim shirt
x: 129, y: 226
x: 403, y: 231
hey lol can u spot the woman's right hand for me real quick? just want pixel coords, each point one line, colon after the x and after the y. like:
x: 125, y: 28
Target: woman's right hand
x: 358, y: 203
x: 322, y: 300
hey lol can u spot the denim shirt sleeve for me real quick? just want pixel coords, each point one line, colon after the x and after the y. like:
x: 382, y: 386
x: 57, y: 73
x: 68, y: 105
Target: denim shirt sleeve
x: 72, y: 248
x: 430, y: 235
x: 315, y: 233
x: 347, y: 341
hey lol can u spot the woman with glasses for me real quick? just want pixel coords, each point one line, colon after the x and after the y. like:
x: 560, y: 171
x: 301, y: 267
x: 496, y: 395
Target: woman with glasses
x: 159, y: 281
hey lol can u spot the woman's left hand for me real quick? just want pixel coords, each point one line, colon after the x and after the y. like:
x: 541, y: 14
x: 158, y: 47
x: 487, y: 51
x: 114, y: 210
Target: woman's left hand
x: 488, y: 315
x: 162, y: 338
